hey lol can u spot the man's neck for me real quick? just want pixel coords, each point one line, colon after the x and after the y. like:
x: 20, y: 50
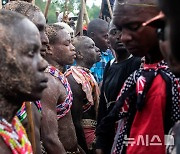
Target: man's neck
x: 82, y: 64
x: 152, y: 60
x: 122, y: 57
x: 8, y: 108
x: 154, y: 56
x: 58, y: 66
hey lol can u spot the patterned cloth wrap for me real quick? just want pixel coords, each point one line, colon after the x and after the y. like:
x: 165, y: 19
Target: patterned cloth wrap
x: 22, y: 114
x: 84, y: 77
x: 15, y: 136
x: 89, y: 127
x: 140, y: 82
x: 62, y: 108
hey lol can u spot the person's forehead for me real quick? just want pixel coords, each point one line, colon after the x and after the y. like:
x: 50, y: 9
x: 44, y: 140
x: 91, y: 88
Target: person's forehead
x: 63, y: 35
x: 129, y: 14
x: 87, y: 41
x: 39, y: 19
x: 29, y: 31
x: 102, y: 31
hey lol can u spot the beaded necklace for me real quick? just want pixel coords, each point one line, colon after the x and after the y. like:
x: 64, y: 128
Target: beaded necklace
x: 15, y: 136
x: 62, y: 108
x: 22, y: 114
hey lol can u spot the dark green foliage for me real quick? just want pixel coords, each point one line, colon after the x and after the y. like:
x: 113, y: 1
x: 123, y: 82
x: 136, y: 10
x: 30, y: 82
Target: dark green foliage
x: 93, y: 12
x: 51, y: 11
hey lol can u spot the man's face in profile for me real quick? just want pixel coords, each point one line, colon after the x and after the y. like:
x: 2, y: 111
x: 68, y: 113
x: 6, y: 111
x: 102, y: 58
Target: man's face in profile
x: 25, y: 75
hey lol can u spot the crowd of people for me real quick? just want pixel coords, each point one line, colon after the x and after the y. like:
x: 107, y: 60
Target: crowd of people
x: 114, y: 91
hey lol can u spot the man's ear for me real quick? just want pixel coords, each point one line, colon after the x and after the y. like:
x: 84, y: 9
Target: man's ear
x: 92, y: 35
x: 79, y: 55
x: 49, y: 49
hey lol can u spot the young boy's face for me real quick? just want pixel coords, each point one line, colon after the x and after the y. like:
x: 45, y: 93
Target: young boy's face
x: 24, y: 76
x: 40, y: 22
x: 91, y: 54
x: 114, y: 38
x: 63, y: 50
x: 101, y: 38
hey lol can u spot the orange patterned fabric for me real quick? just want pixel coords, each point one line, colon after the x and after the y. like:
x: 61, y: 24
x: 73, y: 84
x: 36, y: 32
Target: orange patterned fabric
x: 84, y: 77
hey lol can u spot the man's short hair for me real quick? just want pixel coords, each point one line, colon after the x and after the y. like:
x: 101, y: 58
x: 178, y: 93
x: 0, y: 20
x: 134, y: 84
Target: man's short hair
x: 77, y: 42
x: 8, y: 22
x: 51, y: 31
x: 24, y: 8
x: 96, y: 25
